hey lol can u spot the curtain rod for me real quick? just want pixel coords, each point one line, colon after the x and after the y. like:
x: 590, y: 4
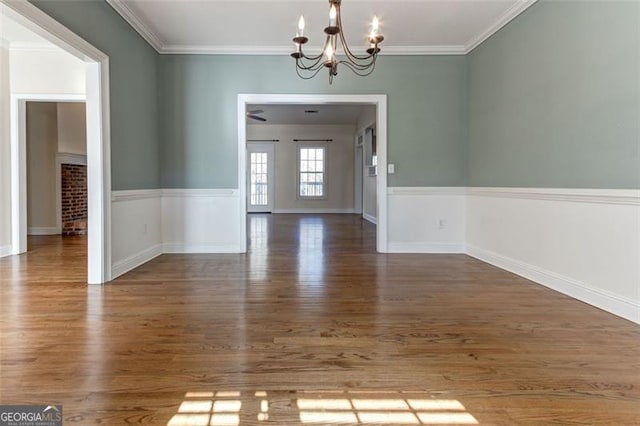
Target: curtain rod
x: 313, y: 140
x: 263, y: 140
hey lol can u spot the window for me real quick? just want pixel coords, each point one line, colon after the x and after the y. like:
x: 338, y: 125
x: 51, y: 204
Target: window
x: 311, y: 172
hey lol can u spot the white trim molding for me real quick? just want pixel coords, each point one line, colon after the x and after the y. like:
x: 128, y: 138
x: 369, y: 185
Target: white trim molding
x: 98, y: 136
x: 379, y: 101
x: 191, y: 193
x: 142, y: 27
x: 135, y: 194
x: 123, y: 266
x: 201, y: 221
x: 176, y: 49
x: 137, y: 24
x: 369, y: 218
x: 629, y: 197
x: 605, y: 300
x: 584, y: 243
x: 427, y: 248
x: 19, y: 229
x: 427, y: 190
x: 42, y: 230
x: 503, y: 20
x: 137, y: 234
x: 427, y: 219
x: 5, y: 251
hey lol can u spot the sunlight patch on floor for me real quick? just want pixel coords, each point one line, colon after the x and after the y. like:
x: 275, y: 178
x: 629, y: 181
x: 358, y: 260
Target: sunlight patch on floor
x: 235, y: 408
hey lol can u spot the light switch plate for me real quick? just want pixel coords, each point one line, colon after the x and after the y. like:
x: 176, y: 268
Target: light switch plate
x: 391, y: 168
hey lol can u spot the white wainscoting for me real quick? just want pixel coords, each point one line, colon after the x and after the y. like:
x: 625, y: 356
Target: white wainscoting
x: 201, y: 221
x: 426, y: 219
x: 5, y: 251
x: 369, y: 218
x: 583, y: 243
x: 42, y: 230
x: 136, y: 228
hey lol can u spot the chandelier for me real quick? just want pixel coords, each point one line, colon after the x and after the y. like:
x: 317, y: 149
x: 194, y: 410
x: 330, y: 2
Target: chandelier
x: 308, y: 66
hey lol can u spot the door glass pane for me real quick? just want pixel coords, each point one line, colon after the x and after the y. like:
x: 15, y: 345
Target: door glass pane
x: 258, y: 179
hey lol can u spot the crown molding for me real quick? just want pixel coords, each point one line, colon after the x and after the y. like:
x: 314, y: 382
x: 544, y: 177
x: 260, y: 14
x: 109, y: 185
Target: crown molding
x: 224, y: 50
x: 154, y: 40
x: 423, y: 50
x: 138, y: 24
x: 503, y: 20
x: 285, y: 50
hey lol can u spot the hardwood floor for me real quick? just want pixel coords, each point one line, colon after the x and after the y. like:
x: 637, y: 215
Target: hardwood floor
x: 311, y: 326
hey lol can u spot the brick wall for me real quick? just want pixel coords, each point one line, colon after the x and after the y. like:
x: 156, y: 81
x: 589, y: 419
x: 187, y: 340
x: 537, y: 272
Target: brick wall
x: 74, y: 199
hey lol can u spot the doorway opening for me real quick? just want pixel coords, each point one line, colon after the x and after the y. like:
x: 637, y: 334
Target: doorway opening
x: 98, y: 140
x: 309, y: 182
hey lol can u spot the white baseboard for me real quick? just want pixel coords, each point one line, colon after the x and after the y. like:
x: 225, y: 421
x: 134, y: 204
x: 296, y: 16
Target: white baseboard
x: 178, y: 248
x: 314, y: 211
x: 621, y: 306
x: 42, y: 230
x: 5, y: 251
x: 369, y: 218
x: 431, y: 248
x: 125, y: 265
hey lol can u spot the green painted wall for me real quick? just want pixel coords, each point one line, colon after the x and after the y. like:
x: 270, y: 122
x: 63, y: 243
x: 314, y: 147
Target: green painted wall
x: 198, y: 124
x: 554, y: 98
x: 135, y: 155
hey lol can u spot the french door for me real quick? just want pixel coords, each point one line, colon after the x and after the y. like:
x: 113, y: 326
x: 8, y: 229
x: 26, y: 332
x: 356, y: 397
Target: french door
x: 260, y: 177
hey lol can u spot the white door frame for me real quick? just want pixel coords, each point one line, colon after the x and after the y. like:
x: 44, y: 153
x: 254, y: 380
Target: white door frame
x: 19, y: 165
x: 379, y: 101
x: 358, y: 174
x: 270, y: 148
x: 98, y: 140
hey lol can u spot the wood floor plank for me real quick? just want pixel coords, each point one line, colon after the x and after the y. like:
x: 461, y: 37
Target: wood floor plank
x: 310, y: 326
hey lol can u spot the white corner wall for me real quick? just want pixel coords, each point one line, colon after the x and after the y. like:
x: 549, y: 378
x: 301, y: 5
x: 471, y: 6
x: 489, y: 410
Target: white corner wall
x: 426, y: 219
x: 5, y: 154
x: 50, y: 71
x: 136, y: 231
x: 201, y: 221
x: 583, y: 243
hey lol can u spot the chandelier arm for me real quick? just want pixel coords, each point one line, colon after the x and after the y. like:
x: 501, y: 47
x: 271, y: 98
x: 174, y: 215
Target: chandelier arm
x: 314, y: 73
x: 309, y: 67
x: 320, y: 55
x: 358, y: 66
x: 359, y: 71
x: 345, y: 45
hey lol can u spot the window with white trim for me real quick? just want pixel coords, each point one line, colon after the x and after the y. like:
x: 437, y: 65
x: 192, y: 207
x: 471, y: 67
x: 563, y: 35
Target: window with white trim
x: 311, y: 172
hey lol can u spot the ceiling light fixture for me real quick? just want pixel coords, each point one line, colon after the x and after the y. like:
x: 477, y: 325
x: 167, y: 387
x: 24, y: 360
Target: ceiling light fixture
x: 308, y: 67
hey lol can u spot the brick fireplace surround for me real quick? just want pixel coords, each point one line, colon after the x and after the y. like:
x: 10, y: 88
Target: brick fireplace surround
x: 74, y: 199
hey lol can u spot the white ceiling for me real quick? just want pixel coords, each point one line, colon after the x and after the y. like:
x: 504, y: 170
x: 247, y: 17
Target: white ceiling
x: 295, y: 114
x: 267, y: 26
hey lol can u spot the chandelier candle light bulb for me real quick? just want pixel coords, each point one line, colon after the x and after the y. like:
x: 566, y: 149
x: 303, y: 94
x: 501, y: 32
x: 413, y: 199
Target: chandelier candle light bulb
x: 329, y: 53
x: 308, y: 66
